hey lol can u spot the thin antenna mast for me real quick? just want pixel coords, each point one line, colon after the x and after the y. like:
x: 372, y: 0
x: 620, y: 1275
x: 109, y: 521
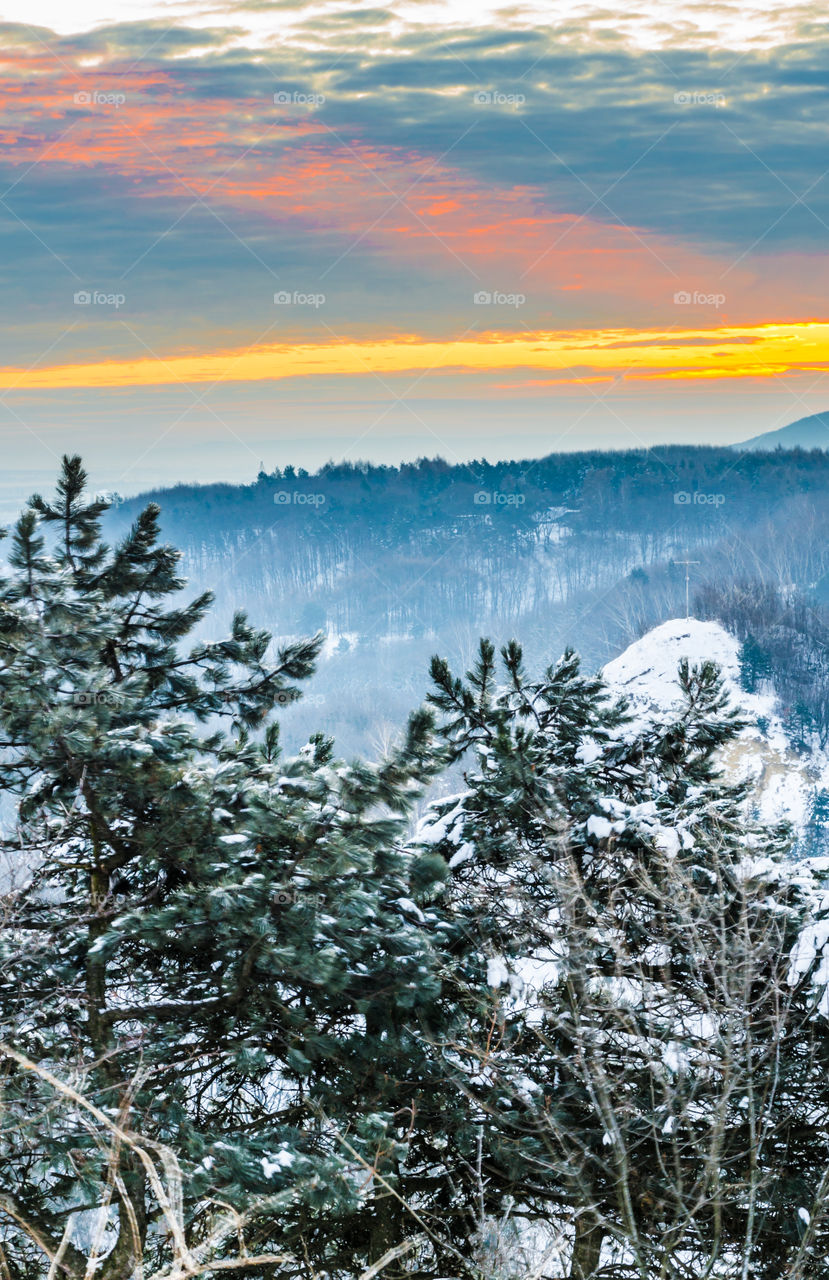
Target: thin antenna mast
x: 688, y: 564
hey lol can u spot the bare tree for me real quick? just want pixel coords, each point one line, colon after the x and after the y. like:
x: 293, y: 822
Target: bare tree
x: 667, y: 1076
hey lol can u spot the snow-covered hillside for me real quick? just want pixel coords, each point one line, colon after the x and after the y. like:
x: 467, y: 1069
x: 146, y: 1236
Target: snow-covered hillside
x: 786, y: 784
x: 646, y: 671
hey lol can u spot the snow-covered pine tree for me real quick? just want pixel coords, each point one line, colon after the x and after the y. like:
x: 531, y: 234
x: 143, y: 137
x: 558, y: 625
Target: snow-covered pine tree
x: 642, y: 1070
x: 220, y: 948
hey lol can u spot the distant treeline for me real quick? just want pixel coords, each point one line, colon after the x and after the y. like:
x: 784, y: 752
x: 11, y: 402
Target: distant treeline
x: 665, y: 484
x: 394, y: 548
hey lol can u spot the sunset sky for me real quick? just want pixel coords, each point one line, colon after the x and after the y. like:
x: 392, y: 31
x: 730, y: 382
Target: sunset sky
x: 286, y: 232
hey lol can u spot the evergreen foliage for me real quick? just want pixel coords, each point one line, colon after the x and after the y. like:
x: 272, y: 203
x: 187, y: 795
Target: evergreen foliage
x: 579, y: 1009
x: 210, y: 935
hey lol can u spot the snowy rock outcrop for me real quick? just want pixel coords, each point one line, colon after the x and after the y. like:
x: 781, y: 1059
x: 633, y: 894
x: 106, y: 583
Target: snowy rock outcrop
x: 786, y: 784
x: 646, y: 672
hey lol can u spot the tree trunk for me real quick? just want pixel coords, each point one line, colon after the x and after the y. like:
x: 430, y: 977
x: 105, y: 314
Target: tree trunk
x: 587, y: 1247
x: 385, y: 1229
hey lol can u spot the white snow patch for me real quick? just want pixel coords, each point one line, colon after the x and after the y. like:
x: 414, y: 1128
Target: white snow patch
x: 465, y: 852
x: 497, y: 973
x: 811, y: 949
x: 588, y: 751
x: 273, y: 1163
x: 432, y: 828
x: 599, y: 827
x: 646, y: 672
x: 412, y: 908
x: 668, y: 838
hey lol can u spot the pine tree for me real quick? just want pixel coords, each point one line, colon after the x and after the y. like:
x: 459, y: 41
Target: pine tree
x: 222, y: 946
x: 640, y: 1067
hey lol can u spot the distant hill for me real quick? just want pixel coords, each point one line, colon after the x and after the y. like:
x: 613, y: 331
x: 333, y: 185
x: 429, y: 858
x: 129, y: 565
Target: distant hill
x: 396, y: 564
x: 806, y: 433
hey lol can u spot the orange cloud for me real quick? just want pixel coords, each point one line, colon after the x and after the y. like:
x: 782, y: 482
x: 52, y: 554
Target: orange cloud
x: 282, y: 165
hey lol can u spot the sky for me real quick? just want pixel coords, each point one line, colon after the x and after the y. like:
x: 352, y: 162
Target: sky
x: 278, y: 231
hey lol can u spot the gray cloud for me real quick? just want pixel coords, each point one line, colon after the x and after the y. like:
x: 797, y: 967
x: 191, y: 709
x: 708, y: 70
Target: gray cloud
x: 131, y: 39
x: 592, y: 120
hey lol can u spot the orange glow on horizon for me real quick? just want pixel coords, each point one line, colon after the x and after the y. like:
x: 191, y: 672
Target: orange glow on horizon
x: 573, y: 356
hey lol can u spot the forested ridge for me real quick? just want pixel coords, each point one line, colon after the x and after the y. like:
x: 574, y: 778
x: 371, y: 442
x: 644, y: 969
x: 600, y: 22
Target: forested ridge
x: 584, y: 549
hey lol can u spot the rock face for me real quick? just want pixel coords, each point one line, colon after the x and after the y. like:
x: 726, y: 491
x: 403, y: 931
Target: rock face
x: 787, y: 785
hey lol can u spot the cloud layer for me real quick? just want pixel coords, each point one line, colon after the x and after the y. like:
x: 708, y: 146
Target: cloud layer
x: 178, y: 177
